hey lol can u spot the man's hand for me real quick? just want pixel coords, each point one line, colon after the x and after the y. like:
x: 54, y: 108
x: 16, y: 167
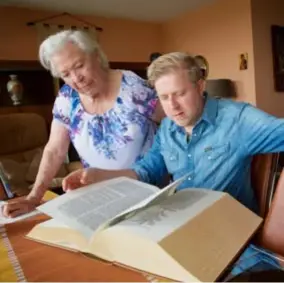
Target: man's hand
x: 19, y: 206
x: 80, y: 178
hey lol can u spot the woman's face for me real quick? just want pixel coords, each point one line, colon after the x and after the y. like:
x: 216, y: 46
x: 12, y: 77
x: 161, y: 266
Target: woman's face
x: 78, y: 69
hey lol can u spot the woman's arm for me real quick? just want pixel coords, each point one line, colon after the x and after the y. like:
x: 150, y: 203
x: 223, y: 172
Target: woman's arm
x: 53, y: 156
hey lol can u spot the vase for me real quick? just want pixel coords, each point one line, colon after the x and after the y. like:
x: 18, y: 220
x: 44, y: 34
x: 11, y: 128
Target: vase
x: 15, y: 89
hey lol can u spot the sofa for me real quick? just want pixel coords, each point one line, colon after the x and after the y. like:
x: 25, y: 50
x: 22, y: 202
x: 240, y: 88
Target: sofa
x: 23, y: 137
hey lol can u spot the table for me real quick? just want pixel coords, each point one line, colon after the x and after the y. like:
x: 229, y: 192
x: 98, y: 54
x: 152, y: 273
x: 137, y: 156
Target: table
x: 26, y: 260
x: 22, y: 259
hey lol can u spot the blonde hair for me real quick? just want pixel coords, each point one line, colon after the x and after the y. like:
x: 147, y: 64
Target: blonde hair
x: 57, y: 41
x: 170, y: 62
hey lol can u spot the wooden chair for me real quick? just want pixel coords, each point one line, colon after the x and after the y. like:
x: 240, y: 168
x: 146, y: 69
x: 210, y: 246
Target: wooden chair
x: 271, y: 235
x: 264, y: 171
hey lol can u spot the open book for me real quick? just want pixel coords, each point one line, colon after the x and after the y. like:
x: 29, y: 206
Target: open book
x: 191, y: 235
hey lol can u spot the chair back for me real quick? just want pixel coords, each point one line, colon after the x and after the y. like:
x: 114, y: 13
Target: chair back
x: 20, y: 134
x: 263, y: 176
x: 271, y: 236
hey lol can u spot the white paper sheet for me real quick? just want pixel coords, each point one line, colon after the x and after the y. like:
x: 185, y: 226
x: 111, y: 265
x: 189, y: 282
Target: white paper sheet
x: 4, y: 220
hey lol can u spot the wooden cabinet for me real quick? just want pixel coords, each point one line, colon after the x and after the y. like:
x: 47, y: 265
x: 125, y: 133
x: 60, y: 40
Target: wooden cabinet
x: 40, y: 88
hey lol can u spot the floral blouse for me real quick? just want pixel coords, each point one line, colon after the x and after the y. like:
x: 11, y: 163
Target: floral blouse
x: 120, y: 136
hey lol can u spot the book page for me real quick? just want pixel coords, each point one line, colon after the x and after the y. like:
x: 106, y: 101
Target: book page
x: 87, y: 208
x: 150, y: 201
x: 159, y: 220
x: 57, y: 234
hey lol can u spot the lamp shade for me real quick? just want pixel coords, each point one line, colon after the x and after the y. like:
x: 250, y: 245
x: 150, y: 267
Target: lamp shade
x: 221, y: 88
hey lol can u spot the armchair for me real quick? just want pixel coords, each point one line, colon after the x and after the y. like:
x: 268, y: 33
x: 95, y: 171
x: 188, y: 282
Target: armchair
x: 23, y: 137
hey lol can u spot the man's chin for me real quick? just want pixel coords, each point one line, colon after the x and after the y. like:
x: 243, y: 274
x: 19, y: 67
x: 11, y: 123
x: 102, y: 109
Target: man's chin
x: 181, y: 123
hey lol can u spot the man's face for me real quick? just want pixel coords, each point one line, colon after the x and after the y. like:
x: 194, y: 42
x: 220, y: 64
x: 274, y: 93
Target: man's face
x: 182, y: 101
x: 78, y: 69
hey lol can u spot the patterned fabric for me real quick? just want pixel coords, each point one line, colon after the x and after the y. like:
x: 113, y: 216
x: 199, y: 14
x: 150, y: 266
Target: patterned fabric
x: 10, y: 269
x: 120, y: 136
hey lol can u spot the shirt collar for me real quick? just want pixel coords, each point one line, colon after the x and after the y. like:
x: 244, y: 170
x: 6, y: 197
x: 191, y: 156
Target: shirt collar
x: 209, y: 113
x: 210, y: 109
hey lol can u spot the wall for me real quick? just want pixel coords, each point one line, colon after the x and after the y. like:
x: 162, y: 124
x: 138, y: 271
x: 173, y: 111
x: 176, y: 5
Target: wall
x: 219, y: 31
x: 264, y: 14
x: 122, y: 40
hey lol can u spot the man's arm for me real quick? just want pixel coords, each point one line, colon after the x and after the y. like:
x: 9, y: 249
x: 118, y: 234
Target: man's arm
x: 151, y: 169
x: 260, y: 132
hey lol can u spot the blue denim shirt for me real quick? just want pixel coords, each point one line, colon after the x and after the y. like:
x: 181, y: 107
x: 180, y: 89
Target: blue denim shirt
x: 219, y: 152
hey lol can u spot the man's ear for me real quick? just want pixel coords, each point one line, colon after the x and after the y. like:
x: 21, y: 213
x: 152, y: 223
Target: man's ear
x: 201, y: 85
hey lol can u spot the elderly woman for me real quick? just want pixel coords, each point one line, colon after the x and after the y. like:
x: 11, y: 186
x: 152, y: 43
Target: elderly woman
x: 109, y: 115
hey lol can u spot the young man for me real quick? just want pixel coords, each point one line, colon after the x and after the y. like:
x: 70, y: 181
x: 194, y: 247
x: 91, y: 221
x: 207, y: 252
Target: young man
x: 212, y: 139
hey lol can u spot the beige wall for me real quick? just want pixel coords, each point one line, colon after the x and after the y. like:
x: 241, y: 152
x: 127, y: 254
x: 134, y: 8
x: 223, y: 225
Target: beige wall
x: 220, y: 32
x: 224, y: 29
x: 264, y: 14
x: 122, y: 40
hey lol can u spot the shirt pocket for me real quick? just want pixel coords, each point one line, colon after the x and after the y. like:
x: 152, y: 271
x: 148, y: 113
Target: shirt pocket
x: 217, y: 152
x: 172, y: 160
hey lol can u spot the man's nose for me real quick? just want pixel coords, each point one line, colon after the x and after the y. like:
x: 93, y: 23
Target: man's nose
x: 173, y: 103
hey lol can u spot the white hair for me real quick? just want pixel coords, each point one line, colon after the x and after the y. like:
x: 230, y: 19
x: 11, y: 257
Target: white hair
x: 57, y: 41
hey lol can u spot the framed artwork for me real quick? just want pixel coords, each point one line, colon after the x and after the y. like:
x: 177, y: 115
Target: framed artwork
x: 243, y: 61
x: 277, y: 37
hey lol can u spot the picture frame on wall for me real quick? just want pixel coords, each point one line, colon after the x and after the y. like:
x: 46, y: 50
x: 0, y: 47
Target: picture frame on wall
x: 277, y: 36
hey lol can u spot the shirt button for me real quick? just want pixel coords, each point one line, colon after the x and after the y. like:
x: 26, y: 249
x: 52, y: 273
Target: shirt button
x: 189, y: 155
x: 194, y: 135
x: 209, y: 157
x: 189, y: 178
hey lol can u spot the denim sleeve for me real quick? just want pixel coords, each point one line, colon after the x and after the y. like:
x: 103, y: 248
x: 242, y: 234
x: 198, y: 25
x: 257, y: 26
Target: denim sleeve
x: 260, y: 132
x: 151, y: 168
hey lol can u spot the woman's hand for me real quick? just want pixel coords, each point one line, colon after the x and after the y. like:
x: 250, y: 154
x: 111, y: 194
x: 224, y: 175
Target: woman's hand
x: 80, y: 178
x: 19, y: 206
x: 83, y: 177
